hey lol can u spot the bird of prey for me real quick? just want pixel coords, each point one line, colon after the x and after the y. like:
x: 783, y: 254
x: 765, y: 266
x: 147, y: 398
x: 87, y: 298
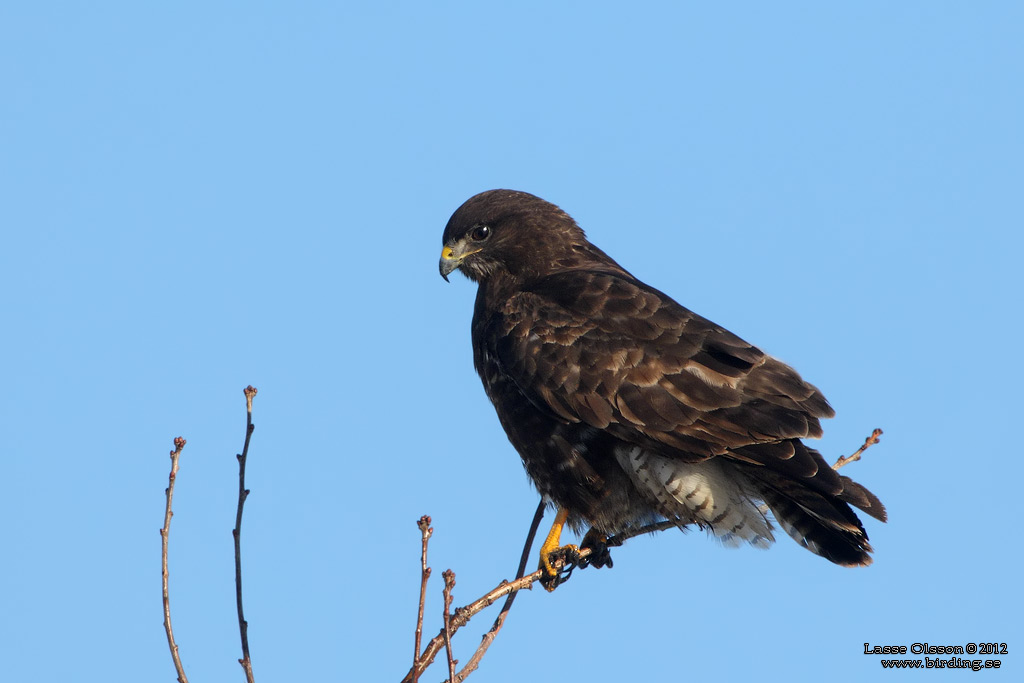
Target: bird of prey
x: 628, y: 408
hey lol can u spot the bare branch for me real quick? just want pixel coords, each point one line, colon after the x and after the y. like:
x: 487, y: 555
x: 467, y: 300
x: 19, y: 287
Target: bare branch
x: 492, y: 633
x: 461, y: 616
x: 179, y: 443
x: 243, y: 493
x: 868, y: 443
x: 426, y: 531
x: 449, y: 584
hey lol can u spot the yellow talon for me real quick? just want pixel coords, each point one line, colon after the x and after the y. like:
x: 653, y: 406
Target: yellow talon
x: 550, y: 546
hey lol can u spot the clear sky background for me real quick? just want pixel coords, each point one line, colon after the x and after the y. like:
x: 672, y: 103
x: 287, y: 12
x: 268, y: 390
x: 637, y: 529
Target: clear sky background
x: 202, y: 196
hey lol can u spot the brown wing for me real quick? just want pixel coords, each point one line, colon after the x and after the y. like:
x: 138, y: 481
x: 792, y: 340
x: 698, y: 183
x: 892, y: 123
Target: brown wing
x: 605, y: 349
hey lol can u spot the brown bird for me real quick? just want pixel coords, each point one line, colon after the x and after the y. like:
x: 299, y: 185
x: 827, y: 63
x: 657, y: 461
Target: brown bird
x: 627, y: 408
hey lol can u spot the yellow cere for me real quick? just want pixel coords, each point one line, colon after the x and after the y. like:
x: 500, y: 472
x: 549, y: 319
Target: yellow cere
x: 447, y: 254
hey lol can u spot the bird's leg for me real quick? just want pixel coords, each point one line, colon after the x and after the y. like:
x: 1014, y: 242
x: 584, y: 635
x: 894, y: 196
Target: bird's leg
x: 550, y: 551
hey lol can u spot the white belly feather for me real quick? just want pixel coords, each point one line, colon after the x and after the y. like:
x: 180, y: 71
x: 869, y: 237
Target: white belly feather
x: 701, y: 493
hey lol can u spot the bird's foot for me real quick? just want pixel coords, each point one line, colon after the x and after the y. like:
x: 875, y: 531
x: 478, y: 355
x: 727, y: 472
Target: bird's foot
x: 551, y: 553
x: 599, y: 555
x: 557, y: 565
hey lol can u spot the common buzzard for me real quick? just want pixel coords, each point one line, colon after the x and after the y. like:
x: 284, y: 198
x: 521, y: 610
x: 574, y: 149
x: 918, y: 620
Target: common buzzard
x: 627, y: 408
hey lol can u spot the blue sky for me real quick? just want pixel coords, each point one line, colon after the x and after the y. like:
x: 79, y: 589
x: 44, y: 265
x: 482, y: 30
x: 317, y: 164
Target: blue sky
x: 200, y: 197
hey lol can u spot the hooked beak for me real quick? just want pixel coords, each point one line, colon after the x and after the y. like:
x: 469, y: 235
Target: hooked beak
x: 452, y: 257
x: 448, y: 263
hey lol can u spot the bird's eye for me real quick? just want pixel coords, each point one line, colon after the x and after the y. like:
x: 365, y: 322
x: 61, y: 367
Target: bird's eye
x: 480, y: 233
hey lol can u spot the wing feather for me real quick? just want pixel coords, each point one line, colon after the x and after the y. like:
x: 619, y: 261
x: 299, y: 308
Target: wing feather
x: 607, y: 350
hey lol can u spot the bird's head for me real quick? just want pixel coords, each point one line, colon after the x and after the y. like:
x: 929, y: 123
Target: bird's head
x: 516, y: 233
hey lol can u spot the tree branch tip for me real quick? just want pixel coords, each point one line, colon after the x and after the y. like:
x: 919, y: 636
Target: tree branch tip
x: 855, y: 456
x: 179, y: 443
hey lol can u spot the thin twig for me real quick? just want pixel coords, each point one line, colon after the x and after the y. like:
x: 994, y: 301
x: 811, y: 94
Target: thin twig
x: 492, y: 633
x: 426, y: 531
x: 243, y: 493
x: 179, y: 443
x: 868, y: 443
x: 449, y: 584
x: 461, y: 616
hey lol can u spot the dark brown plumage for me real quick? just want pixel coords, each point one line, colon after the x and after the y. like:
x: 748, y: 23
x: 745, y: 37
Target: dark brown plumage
x: 626, y: 407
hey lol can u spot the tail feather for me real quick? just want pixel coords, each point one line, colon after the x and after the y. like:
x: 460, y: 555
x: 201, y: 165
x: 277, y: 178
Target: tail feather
x: 823, y: 524
x: 810, y: 500
x: 858, y: 496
